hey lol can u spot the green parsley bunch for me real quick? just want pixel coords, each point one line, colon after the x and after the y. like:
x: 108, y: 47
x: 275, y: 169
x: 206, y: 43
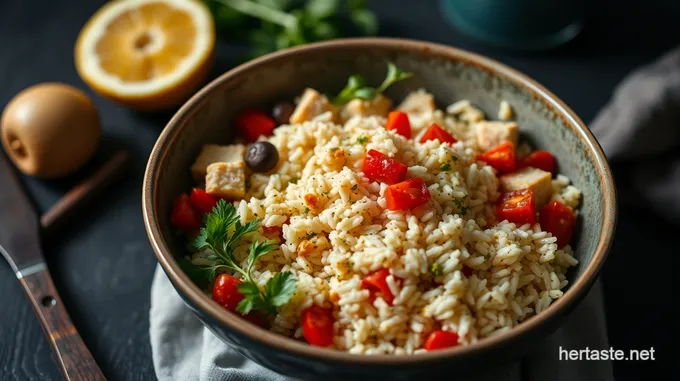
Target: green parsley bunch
x: 221, y: 232
x: 271, y: 25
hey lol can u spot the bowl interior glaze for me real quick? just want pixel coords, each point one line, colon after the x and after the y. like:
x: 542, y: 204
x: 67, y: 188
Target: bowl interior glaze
x: 450, y: 75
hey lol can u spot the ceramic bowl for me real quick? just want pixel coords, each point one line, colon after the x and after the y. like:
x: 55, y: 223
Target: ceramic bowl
x: 450, y: 74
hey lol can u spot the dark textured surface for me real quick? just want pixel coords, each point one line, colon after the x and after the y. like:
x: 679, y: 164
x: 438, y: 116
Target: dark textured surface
x: 102, y: 264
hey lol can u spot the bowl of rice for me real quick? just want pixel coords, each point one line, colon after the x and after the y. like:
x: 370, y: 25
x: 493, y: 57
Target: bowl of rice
x: 378, y: 208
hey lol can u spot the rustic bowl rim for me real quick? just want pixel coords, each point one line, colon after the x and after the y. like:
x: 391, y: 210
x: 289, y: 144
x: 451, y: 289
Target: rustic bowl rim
x: 573, y: 295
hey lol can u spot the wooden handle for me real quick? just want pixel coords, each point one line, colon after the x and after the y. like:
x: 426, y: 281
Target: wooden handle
x: 75, y: 359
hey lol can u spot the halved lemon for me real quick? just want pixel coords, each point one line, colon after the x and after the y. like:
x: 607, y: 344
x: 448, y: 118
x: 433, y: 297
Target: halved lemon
x: 147, y: 54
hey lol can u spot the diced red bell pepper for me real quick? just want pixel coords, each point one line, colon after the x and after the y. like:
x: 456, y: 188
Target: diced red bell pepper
x: 539, y: 159
x: 436, y: 132
x: 184, y: 215
x: 376, y: 282
x: 252, y: 124
x: 380, y: 167
x: 317, y: 325
x: 559, y: 220
x: 517, y: 207
x: 501, y: 157
x: 407, y: 194
x: 202, y: 200
x: 273, y: 231
x: 398, y: 121
x: 441, y: 340
x: 226, y: 293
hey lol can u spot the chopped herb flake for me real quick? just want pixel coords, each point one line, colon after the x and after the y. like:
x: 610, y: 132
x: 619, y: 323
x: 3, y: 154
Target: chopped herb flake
x: 436, y: 269
x: 294, y: 180
x: 461, y: 207
x: 354, y: 187
x: 445, y: 167
x: 362, y: 140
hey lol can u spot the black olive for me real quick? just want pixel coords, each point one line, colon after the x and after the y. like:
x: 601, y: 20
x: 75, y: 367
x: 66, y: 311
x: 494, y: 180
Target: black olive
x: 262, y: 156
x: 282, y: 112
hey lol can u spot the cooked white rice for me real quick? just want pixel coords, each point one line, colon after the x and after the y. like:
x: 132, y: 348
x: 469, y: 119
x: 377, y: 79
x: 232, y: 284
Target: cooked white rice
x: 517, y: 270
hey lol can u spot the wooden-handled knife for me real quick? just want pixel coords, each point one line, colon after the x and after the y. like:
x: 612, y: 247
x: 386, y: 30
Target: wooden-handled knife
x: 20, y: 245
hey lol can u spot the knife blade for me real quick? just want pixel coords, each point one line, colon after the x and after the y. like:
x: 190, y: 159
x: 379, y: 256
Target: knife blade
x: 20, y: 245
x: 19, y: 228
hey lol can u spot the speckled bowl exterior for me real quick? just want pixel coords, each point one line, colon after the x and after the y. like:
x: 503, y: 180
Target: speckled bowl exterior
x: 450, y: 74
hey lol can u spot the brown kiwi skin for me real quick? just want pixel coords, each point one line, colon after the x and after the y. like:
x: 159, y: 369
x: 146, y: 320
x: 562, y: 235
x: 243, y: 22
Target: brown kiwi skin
x: 50, y: 130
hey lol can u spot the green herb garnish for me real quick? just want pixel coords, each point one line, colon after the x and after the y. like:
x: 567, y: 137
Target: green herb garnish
x: 463, y: 208
x: 271, y: 25
x: 222, y: 230
x: 354, y: 187
x: 362, y: 140
x: 445, y: 167
x: 356, y: 85
x: 294, y: 180
x: 436, y: 269
x: 201, y: 275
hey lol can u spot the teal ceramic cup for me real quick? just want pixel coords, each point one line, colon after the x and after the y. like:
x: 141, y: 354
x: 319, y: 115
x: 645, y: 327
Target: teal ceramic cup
x: 517, y: 24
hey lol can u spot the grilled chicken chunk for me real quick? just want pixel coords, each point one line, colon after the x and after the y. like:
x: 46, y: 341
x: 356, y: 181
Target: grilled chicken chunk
x: 538, y: 180
x: 213, y: 153
x: 418, y: 102
x: 311, y: 105
x: 491, y: 134
x: 380, y: 105
x: 226, y: 179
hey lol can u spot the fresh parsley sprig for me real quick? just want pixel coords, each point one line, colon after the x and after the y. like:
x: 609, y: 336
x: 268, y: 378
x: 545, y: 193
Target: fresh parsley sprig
x: 222, y: 230
x: 356, y: 85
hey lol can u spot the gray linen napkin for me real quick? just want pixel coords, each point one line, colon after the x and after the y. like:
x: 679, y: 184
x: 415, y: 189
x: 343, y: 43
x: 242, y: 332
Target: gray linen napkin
x: 639, y: 129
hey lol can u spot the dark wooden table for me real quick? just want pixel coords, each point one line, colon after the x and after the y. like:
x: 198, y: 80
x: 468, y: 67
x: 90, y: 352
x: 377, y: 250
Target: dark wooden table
x: 102, y: 262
